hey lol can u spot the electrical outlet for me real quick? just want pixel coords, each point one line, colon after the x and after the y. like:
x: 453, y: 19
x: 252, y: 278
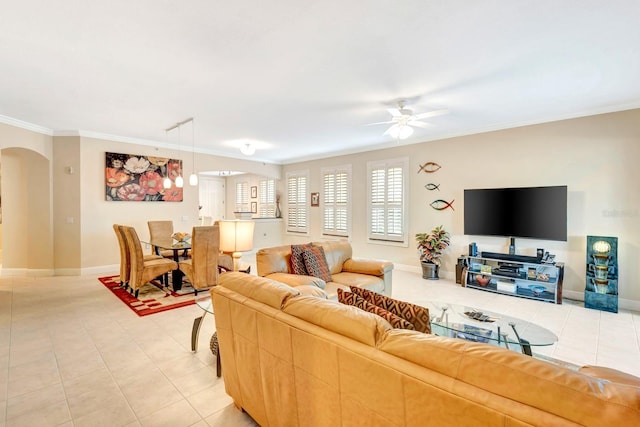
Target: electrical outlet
x: 185, y: 218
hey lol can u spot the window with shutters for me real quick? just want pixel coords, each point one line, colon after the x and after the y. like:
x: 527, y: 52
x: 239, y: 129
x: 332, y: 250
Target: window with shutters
x: 297, y: 203
x: 267, y: 198
x: 336, y: 196
x: 242, y: 197
x: 387, y: 181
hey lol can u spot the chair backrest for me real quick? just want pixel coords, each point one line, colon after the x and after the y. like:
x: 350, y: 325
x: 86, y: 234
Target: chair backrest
x: 135, y: 255
x: 160, y: 230
x: 125, y: 260
x: 206, y: 220
x: 205, y: 247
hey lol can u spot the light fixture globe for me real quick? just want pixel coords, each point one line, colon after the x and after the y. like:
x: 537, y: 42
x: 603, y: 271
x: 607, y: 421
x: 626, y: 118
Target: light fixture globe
x: 193, y: 179
x: 179, y: 181
x: 166, y: 183
x: 400, y: 131
x: 247, y: 149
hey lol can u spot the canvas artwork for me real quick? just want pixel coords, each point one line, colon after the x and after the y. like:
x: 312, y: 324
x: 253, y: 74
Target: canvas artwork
x: 133, y: 178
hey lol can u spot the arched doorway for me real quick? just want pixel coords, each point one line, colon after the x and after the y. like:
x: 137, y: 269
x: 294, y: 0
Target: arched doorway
x: 26, y: 195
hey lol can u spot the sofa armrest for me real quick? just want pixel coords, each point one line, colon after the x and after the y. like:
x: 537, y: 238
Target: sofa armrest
x: 610, y: 374
x: 295, y: 280
x: 373, y: 267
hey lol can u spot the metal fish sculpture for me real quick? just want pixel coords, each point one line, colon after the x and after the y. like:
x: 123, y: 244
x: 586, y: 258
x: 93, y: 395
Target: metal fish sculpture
x: 431, y: 186
x: 429, y: 167
x: 441, y: 205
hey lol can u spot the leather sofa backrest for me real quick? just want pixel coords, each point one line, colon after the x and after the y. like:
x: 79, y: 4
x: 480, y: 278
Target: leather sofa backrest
x: 336, y: 252
x: 266, y: 291
x: 345, y: 320
x: 276, y: 259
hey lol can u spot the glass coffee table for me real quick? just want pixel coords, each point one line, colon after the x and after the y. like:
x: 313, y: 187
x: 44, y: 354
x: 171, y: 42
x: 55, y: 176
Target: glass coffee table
x: 473, y: 324
x: 206, y: 304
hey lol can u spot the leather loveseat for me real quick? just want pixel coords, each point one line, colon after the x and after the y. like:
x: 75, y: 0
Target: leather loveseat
x: 375, y: 275
x: 296, y: 360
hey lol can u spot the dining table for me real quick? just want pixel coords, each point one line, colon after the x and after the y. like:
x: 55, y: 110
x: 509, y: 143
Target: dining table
x: 177, y: 247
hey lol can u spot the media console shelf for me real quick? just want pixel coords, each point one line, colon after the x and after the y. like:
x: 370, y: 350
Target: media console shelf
x: 533, y: 280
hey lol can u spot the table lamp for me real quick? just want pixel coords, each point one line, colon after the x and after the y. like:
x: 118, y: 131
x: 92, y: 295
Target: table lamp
x: 236, y: 236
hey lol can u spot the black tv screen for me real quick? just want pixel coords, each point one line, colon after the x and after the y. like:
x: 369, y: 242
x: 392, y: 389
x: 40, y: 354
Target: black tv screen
x: 531, y: 212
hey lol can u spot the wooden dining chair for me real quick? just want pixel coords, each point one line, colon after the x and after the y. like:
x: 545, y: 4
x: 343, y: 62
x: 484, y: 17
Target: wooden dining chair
x: 202, y: 268
x: 125, y: 257
x: 142, y: 271
x: 161, y: 230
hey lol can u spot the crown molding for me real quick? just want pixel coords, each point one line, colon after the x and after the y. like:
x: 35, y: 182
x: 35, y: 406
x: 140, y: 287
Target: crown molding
x: 26, y: 125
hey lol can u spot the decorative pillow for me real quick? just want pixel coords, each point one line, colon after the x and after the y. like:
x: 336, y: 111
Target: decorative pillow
x: 297, y: 260
x: 416, y: 315
x: 316, y: 263
x: 349, y: 298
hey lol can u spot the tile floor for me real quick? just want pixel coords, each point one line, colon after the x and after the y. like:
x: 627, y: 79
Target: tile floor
x: 71, y: 354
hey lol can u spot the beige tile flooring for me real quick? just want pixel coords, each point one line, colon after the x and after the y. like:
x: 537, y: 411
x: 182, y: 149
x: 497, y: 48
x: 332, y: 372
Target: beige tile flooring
x: 71, y: 354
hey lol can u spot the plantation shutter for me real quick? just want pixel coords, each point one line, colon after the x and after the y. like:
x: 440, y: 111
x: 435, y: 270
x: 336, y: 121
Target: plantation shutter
x: 242, y: 197
x: 296, y: 203
x: 387, y: 201
x: 335, y: 204
x: 267, y: 198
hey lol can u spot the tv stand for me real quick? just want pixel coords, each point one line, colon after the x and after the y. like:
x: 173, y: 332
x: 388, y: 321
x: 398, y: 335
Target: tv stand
x: 514, y: 275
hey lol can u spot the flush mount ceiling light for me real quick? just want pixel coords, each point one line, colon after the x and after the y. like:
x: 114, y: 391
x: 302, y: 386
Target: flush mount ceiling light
x: 247, y: 149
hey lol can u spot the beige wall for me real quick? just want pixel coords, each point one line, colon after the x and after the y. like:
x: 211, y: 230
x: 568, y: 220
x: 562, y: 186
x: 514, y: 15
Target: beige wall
x: 596, y: 157
x: 67, y: 219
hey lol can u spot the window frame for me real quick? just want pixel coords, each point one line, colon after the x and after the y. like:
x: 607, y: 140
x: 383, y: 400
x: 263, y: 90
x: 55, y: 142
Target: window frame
x: 242, y: 202
x: 267, y: 198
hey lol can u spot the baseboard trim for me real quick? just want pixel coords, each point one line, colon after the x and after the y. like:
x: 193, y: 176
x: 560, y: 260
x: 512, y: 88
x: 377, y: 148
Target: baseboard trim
x: 29, y: 272
x: 626, y: 304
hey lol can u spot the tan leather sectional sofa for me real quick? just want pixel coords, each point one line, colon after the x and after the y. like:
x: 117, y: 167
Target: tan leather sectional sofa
x: 375, y: 275
x: 296, y: 360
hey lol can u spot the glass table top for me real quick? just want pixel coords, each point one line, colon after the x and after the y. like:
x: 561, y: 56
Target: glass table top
x: 205, y: 303
x: 473, y: 324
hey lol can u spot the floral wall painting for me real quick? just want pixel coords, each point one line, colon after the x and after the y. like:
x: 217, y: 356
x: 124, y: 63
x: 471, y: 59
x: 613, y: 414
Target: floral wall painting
x: 133, y: 178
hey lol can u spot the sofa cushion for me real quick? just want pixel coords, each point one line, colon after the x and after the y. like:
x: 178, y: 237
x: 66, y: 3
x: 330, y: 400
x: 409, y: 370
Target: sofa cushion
x: 373, y: 283
x: 316, y: 263
x: 350, y: 298
x: 297, y: 259
x: 416, y: 315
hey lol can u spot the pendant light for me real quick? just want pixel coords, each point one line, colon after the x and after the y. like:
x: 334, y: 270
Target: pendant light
x: 179, y: 180
x: 166, y: 182
x: 193, y: 178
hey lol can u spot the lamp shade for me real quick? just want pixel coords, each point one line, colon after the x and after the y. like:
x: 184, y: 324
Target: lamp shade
x: 236, y: 235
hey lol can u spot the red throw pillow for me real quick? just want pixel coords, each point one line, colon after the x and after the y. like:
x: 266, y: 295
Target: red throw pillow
x: 416, y: 315
x: 316, y: 263
x: 297, y: 260
x: 349, y: 298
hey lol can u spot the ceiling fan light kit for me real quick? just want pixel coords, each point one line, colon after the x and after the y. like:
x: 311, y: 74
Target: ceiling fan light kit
x: 403, y: 120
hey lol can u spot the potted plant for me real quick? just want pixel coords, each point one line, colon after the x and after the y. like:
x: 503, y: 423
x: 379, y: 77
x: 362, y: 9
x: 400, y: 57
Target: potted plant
x: 431, y: 246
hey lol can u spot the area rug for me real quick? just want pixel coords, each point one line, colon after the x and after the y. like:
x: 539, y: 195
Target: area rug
x: 152, y: 298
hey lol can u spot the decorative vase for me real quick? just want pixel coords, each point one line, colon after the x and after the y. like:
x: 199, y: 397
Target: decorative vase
x: 278, y: 213
x: 429, y: 270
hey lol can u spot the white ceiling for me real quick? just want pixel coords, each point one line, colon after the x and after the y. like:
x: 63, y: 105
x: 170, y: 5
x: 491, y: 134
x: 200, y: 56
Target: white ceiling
x: 304, y: 77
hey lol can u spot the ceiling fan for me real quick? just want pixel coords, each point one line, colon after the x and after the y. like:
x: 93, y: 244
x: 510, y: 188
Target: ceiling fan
x: 403, y: 120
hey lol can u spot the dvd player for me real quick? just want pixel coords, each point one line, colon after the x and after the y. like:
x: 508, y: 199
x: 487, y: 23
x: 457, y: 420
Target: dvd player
x: 507, y: 257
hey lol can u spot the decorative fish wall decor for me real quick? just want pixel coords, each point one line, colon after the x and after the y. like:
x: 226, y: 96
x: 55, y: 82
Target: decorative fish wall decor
x: 431, y: 186
x: 441, y: 205
x: 429, y: 167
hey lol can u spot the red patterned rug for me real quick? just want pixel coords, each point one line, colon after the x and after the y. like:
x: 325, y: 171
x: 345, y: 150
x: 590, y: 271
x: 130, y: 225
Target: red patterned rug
x: 152, y: 298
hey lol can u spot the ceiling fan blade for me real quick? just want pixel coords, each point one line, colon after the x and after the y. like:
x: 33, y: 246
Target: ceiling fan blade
x: 430, y: 114
x: 416, y: 123
x: 379, y: 123
x: 388, y: 131
x: 394, y: 112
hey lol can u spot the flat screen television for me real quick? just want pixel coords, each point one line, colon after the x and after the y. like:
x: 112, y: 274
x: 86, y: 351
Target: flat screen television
x: 530, y: 212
